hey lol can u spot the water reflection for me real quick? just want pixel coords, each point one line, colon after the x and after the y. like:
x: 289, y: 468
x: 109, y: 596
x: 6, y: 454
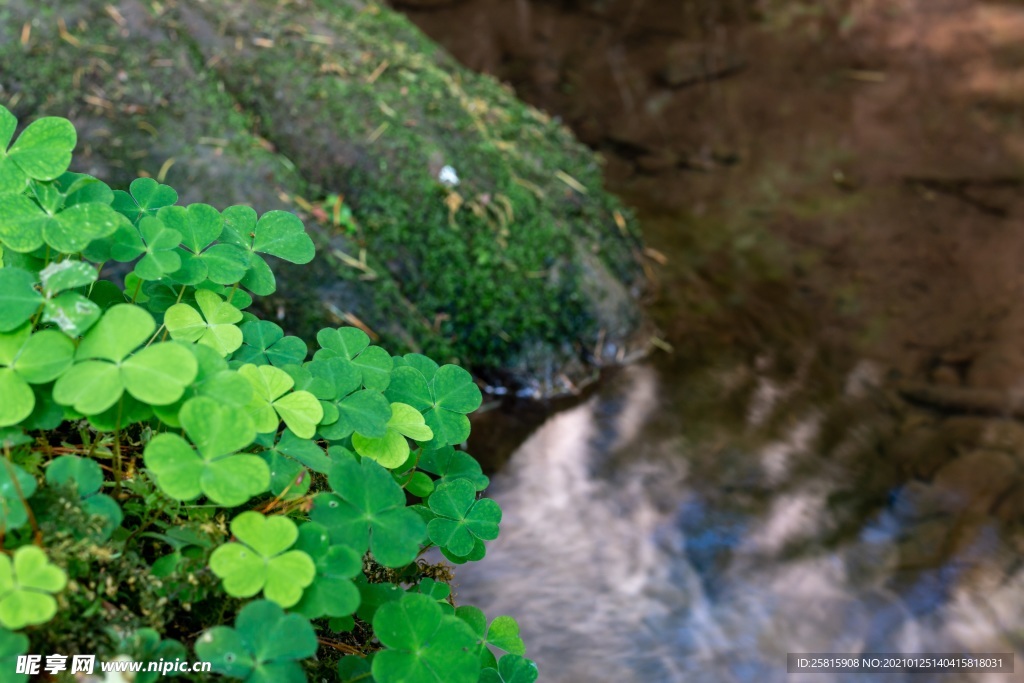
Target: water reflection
x: 633, y: 551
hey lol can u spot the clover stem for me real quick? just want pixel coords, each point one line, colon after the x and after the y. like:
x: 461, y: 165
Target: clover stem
x: 37, y: 535
x: 138, y: 287
x: 343, y: 647
x: 99, y: 270
x: 38, y: 315
x: 117, y: 448
x: 176, y: 301
x: 155, y: 335
x: 412, y: 470
x: 231, y: 294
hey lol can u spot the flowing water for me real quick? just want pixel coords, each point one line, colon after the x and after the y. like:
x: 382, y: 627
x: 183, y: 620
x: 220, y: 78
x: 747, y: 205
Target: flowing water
x: 647, y: 539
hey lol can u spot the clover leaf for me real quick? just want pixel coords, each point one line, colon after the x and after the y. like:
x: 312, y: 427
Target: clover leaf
x: 368, y: 510
x: 213, y: 380
x: 215, y: 327
x: 146, y: 645
x: 288, y: 461
x: 16, y: 487
x: 86, y: 479
x: 347, y: 408
x: 444, y: 394
x: 352, y: 345
x: 449, y: 464
x: 272, y: 402
x: 262, y: 561
x: 438, y: 591
x: 13, y: 645
x: 25, y: 359
x: 409, y: 386
x: 454, y: 395
x: 19, y: 300
x: 391, y: 450
x: 264, y: 343
x: 263, y: 647
x: 511, y: 669
x: 332, y: 593
x: 199, y: 225
x: 216, y: 470
x: 106, y: 366
x: 161, y: 258
x: 423, y: 645
x: 277, y: 233
x: 70, y: 311
x: 41, y: 152
x: 25, y: 225
x: 478, y: 553
x: 461, y: 520
x: 503, y: 633
x: 66, y: 274
x: 145, y: 197
x: 351, y: 668
x: 73, y: 313
x: 26, y: 585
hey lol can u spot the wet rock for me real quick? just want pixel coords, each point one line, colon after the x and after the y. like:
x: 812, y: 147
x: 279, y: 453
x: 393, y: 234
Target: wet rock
x: 975, y: 482
x: 994, y: 368
x: 1010, y: 506
x: 946, y: 374
x: 278, y: 106
x: 966, y: 433
x: 660, y: 162
x: 920, y: 451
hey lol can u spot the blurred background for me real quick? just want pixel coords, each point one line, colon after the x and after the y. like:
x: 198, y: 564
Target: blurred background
x: 818, y: 257
x: 824, y: 455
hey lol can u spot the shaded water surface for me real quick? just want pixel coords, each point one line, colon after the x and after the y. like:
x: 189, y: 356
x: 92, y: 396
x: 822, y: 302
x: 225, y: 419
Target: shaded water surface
x: 666, y: 530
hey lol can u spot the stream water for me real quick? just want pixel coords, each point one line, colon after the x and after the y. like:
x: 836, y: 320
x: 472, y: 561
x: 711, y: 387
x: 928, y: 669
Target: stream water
x: 765, y: 489
x: 660, y: 531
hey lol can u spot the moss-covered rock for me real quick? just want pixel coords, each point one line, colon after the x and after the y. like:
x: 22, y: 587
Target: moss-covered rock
x: 525, y: 269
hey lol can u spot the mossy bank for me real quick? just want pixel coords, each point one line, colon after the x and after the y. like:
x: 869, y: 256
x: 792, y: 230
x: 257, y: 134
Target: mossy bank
x: 478, y: 232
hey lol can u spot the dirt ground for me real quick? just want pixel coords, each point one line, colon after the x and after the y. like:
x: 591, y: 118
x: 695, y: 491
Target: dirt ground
x: 858, y: 162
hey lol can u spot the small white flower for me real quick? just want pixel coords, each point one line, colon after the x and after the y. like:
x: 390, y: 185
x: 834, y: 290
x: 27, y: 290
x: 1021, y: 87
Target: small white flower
x: 448, y: 176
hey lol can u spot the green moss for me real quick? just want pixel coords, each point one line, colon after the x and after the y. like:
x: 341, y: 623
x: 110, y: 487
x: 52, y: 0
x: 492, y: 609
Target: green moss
x: 353, y: 101
x: 403, y: 109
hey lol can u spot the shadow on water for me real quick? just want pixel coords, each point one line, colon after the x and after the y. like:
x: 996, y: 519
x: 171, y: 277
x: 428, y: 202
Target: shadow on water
x: 645, y: 541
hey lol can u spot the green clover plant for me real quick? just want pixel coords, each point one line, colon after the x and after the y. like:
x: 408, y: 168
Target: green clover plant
x: 172, y: 465
x: 263, y: 647
x: 16, y: 487
x: 511, y: 669
x: 214, y: 468
x: 27, y: 583
x: 41, y: 152
x: 213, y: 324
x: 273, y: 401
x: 368, y: 510
x: 107, y: 364
x: 261, y: 560
x: 392, y: 449
x: 461, y: 522
x: 85, y: 478
x: 423, y: 644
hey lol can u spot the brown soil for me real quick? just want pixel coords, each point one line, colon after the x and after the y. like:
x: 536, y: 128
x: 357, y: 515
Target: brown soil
x: 856, y: 161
